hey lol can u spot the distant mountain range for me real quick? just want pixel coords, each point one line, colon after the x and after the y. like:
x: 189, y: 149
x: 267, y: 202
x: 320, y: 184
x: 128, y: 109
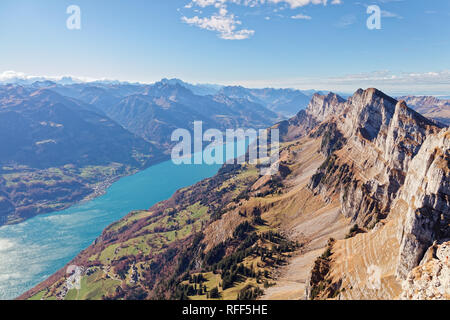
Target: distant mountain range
x: 62, y: 141
x: 285, y: 102
x: 41, y: 129
x: 430, y: 107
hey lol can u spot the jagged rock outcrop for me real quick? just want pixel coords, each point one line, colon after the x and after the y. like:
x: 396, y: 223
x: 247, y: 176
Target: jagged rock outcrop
x: 332, y: 138
x: 388, y: 167
x: 320, y: 108
x: 427, y: 193
x: 394, y: 162
x: 377, y: 137
x: 431, y: 279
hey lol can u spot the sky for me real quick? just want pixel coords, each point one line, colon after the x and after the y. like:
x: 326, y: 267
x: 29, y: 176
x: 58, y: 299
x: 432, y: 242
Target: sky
x: 304, y: 44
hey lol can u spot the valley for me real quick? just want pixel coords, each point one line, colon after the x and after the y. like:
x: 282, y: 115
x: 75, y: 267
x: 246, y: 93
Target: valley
x: 62, y: 144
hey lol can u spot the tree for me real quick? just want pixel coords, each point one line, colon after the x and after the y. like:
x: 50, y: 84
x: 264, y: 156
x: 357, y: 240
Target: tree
x: 214, y: 293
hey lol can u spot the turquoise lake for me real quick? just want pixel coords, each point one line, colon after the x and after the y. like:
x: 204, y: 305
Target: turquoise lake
x: 33, y: 250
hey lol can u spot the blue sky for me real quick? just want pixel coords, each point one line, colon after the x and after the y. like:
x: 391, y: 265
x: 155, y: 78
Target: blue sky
x: 279, y: 43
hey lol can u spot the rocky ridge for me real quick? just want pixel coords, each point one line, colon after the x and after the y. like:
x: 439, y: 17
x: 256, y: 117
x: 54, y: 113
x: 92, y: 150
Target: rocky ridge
x: 392, y: 170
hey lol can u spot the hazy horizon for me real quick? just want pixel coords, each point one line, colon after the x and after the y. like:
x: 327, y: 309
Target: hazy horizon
x: 11, y: 77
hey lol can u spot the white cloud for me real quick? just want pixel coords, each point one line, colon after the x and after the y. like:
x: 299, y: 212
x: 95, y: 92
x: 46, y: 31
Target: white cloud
x: 226, y: 23
x: 8, y: 75
x: 301, y: 16
x: 223, y: 23
x: 298, y: 3
x: 388, y: 14
x: 252, y: 3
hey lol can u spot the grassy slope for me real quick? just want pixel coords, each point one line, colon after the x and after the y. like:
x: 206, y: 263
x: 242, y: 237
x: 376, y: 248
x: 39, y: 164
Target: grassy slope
x: 163, y: 225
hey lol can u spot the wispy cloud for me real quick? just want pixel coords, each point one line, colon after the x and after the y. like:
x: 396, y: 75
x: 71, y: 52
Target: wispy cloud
x: 346, y: 21
x: 222, y: 22
x: 253, y: 3
x: 388, y: 14
x: 301, y: 16
x: 384, y: 13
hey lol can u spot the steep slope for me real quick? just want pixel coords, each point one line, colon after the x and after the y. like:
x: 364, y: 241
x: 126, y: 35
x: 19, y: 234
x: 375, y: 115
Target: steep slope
x: 427, y: 193
x: 154, y: 111
x: 381, y: 137
x: 431, y: 279
x: 319, y: 108
x: 37, y: 127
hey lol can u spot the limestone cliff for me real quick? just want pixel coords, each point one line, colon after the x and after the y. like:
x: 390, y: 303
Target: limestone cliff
x: 427, y: 193
x: 431, y: 279
x: 391, y: 175
x: 381, y: 137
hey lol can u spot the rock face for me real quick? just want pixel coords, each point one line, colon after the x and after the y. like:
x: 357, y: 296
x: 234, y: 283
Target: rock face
x: 427, y: 192
x: 431, y: 279
x: 320, y: 108
x: 381, y: 137
x: 385, y: 163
